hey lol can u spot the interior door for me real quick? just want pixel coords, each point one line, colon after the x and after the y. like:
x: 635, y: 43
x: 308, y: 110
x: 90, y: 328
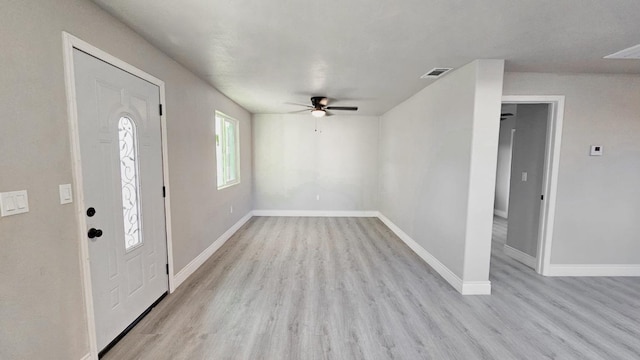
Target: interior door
x: 121, y: 155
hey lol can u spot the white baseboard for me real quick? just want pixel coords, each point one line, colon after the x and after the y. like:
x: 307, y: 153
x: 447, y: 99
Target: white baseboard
x: 500, y: 213
x: 315, y: 213
x: 86, y: 357
x: 476, y: 288
x: 593, y: 270
x: 183, y: 274
x: 465, y: 288
x: 522, y: 257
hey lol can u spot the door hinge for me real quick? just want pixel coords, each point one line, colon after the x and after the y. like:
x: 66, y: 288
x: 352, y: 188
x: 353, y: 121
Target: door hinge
x: 160, y: 109
x: 164, y: 192
x: 167, y: 269
x: 541, y: 197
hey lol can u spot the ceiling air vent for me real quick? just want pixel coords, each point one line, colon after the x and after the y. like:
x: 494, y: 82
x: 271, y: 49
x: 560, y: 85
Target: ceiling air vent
x: 630, y: 53
x: 435, y: 73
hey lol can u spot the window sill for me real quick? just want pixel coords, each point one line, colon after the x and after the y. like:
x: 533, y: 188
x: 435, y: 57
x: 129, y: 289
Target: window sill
x: 228, y: 185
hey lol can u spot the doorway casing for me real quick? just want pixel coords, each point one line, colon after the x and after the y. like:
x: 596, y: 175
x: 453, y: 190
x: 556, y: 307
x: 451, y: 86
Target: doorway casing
x: 69, y: 42
x: 550, y: 174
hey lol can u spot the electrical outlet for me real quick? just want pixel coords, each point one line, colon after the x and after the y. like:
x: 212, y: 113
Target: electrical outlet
x: 318, y: 197
x: 524, y: 176
x: 231, y: 209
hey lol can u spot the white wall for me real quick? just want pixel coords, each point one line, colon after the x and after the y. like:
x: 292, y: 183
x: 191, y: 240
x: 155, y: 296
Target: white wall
x: 42, y: 312
x: 294, y: 163
x: 438, y: 164
x: 503, y: 171
x: 598, y: 201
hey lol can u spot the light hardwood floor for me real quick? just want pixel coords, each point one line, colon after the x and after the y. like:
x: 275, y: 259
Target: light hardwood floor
x: 348, y: 288
x: 499, y: 230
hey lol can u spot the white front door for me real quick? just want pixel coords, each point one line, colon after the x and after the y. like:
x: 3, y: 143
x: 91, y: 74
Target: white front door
x: 120, y: 148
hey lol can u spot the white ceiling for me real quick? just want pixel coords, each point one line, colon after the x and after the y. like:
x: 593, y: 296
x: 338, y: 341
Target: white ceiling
x: 371, y: 53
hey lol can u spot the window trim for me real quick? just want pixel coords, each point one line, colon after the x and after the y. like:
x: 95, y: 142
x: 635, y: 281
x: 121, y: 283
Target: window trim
x: 224, y: 117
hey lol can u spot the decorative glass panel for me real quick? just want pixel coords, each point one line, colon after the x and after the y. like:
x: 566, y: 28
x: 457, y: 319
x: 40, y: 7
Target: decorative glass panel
x: 130, y: 185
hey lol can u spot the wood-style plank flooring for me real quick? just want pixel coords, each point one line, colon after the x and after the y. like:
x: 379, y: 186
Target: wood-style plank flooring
x: 348, y: 288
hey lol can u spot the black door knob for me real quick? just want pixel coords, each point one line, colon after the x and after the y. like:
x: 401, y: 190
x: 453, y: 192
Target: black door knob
x: 91, y: 211
x: 94, y: 233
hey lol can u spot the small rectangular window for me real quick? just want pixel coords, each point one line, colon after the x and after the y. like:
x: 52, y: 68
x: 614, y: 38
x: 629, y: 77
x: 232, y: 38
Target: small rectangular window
x: 227, y: 150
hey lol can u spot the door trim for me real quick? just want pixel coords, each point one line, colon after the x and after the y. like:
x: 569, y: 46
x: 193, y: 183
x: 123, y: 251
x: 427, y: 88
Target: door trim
x: 550, y: 175
x: 69, y: 42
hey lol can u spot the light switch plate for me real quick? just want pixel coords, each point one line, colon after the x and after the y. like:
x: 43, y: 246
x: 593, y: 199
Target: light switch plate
x: 524, y: 176
x: 14, y: 203
x: 596, y: 150
x: 66, y: 197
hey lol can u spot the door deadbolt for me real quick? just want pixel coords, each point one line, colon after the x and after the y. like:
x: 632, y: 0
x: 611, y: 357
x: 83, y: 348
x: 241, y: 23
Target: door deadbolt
x: 91, y: 211
x: 94, y: 233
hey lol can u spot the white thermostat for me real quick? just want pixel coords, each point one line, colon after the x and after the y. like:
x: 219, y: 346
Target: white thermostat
x: 596, y: 150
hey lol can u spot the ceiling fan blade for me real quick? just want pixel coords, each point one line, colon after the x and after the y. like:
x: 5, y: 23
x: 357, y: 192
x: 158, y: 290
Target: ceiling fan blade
x: 347, y: 108
x: 298, y: 104
x: 298, y: 111
x: 506, y: 114
x: 503, y: 118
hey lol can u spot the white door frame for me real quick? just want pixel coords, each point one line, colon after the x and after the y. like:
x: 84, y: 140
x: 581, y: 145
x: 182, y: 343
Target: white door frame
x: 511, y: 136
x: 550, y: 175
x: 69, y: 42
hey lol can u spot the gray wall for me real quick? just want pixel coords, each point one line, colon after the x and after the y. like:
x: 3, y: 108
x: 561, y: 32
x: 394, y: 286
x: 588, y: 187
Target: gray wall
x: 598, y: 201
x: 42, y: 312
x: 200, y: 212
x: 503, y: 171
x: 428, y: 184
x: 524, y: 196
x: 294, y: 163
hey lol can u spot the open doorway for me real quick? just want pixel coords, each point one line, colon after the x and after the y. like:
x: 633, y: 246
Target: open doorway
x: 526, y: 177
x: 519, y: 192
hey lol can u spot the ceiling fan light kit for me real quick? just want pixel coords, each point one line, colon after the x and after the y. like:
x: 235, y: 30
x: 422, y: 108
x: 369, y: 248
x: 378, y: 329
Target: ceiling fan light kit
x: 318, y: 113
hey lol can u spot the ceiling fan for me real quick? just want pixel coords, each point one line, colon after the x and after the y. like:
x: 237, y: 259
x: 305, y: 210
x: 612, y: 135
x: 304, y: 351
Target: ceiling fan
x: 319, y: 107
x: 504, y: 116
